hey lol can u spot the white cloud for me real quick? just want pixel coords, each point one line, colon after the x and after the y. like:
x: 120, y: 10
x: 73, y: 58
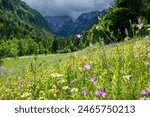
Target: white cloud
x: 67, y: 7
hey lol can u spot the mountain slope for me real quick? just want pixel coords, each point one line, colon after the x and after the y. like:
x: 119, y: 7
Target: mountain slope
x: 64, y: 25
x: 18, y: 19
x: 59, y: 25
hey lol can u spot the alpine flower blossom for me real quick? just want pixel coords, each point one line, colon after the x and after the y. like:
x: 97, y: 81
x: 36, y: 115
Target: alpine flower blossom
x: 100, y: 92
x: 144, y: 92
x: 146, y: 63
x: 139, y: 26
x: 92, y: 78
x: 84, y: 92
x: 88, y: 66
x: 79, y: 36
x: 148, y: 89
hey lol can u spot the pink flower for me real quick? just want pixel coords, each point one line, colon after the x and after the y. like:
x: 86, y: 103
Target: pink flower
x: 146, y: 62
x: 92, y: 78
x: 139, y: 26
x: 144, y: 98
x: 148, y: 89
x: 79, y: 36
x: 144, y: 92
x: 100, y: 92
x: 88, y: 66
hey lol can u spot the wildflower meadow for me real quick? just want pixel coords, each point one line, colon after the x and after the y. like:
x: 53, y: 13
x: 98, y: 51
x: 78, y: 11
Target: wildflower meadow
x: 119, y: 71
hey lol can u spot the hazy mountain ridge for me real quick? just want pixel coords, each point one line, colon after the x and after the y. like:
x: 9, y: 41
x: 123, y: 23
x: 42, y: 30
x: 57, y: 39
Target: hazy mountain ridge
x: 65, y: 26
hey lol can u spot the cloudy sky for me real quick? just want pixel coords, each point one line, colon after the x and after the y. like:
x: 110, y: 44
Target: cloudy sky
x: 67, y: 7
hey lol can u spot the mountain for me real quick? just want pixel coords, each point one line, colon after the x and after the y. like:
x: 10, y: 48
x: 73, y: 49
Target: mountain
x: 23, y: 30
x: 18, y: 20
x: 65, y: 26
x: 59, y: 25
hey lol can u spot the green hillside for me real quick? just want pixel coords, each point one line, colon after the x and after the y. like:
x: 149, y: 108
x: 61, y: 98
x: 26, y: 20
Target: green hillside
x: 23, y: 31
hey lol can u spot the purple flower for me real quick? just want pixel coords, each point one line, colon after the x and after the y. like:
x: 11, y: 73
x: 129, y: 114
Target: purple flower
x: 126, y: 30
x: 143, y: 98
x: 88, y: 66
x: 146, y: 62
x: 128, y: 77
x: 148, y: 89
x: 139, y: 26
x: 144, y: 92
x: 100, y: 92
x: 79, y: 36
x: 92, y: 78
x: 84, y: 92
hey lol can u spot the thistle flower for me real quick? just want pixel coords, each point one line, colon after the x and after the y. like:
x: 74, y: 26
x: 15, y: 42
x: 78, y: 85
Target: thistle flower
x: 139, y: 26
x: 78, y: 36
x: 100, y: 92
x: 88, y: 66
x: 92, y: 78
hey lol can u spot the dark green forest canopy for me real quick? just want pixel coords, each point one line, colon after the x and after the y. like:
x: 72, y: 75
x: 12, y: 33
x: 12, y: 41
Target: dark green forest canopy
x: 24, y: 31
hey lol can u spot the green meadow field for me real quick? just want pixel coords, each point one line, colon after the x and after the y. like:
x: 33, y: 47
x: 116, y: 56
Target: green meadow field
x: 119, y: 71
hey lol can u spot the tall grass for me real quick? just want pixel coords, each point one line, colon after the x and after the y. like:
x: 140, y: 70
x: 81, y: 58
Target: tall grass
x: 116, y: 71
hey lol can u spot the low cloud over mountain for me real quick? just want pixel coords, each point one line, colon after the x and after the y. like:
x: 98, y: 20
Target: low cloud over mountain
x: 73, y: 8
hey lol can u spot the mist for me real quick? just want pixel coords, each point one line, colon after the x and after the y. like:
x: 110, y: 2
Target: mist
x: 73, y: 8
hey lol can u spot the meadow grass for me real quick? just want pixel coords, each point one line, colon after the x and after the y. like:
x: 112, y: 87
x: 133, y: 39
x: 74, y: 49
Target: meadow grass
x: 118, y: 71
